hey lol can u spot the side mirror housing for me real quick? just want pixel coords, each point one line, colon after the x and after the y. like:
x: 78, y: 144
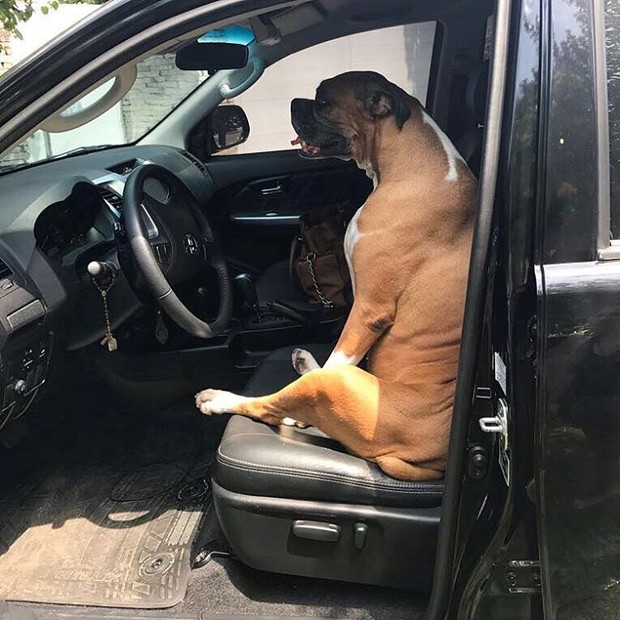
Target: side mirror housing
x: 228, y: 126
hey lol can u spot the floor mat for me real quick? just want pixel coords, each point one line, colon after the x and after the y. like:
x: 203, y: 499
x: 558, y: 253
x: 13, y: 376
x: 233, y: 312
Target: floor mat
x: 111, y: 524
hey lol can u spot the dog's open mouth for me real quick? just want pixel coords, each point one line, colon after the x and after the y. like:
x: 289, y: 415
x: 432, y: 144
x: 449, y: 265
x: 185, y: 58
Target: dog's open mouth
x: 308, y: 149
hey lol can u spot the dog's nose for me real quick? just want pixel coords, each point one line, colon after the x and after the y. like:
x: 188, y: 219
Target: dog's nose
x: 301, y: 106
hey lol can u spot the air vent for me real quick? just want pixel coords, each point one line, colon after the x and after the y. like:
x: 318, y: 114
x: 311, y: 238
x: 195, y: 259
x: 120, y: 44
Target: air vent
x: 125, y: 167
x: 114, y: 200
x: 5, y: 270
x: 198, y: 164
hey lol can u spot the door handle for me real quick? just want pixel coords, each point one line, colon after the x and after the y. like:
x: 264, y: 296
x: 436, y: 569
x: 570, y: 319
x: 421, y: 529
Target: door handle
x: 274, y: 190
x: 268, y: 219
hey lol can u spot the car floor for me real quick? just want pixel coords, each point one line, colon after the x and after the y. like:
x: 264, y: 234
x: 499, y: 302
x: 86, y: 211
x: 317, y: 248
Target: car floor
x: 88, y: 432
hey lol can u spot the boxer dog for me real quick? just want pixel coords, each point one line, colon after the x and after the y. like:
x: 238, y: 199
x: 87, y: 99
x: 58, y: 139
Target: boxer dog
x: 408, y: 249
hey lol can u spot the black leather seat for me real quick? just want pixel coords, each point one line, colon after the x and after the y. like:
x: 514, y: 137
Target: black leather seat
x: 257, y: 459
x: 276, y: 283
x: 469, y: 143
x: 268, y: 480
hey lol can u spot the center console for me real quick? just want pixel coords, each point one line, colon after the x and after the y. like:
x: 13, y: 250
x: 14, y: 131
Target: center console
x: 25, y: 345
x: 23, y: 371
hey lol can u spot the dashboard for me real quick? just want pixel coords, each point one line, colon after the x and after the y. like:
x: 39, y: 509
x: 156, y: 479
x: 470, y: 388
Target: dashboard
x: 55, y: 218
x: 70, y: 224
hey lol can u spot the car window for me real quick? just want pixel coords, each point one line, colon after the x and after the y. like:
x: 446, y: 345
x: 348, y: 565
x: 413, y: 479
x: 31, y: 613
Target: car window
x: 612, y: 44
x: 403, y: 54
x: 159, y: 87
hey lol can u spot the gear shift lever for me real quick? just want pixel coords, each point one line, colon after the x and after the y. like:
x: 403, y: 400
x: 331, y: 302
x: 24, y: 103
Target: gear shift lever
x: 247, y: 291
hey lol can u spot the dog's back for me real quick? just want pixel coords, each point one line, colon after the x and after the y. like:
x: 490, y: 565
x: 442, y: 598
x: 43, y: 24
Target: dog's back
x: 414, y: 246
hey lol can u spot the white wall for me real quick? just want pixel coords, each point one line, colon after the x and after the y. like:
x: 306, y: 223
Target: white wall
x: 402, y: 54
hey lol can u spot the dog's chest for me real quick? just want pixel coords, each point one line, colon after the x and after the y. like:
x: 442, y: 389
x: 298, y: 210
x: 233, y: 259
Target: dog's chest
x: 351, y: 237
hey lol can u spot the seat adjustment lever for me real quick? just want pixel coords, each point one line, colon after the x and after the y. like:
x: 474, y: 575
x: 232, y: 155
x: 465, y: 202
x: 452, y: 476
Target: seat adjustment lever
x: 315, y: 530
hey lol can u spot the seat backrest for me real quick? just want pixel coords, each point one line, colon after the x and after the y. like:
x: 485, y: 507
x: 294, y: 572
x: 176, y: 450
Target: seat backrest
x: 469, y: 144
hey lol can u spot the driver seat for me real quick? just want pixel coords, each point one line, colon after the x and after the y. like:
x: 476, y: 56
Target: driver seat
x: 294, y: 501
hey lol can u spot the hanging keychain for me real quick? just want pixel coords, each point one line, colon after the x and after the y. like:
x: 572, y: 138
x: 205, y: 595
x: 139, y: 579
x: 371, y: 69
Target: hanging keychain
x: 109, y: 338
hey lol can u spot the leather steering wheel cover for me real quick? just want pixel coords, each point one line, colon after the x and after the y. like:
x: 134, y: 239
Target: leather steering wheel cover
x: 145, y: 258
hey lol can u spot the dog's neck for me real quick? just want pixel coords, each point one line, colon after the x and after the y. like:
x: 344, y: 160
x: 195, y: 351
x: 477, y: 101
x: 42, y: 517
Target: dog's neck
x: 369, y: 169
x: 411, y: 141
x: 377, y: 160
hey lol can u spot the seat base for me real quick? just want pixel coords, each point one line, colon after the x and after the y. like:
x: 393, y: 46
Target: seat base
x: 346, y: 542
x: 295, y: 501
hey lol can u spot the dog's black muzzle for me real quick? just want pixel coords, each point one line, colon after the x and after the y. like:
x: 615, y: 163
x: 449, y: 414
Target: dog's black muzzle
x: 317, y: 131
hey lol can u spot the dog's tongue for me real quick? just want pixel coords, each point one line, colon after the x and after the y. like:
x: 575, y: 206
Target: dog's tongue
x: 305, y: 147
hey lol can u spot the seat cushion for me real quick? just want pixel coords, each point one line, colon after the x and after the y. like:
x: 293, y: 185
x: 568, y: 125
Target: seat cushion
x: 276, y: 370
x: 256, y: 459
x: 276, y: 283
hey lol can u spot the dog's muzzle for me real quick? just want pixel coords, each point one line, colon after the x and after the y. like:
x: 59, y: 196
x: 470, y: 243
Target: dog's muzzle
x: 315, y: 134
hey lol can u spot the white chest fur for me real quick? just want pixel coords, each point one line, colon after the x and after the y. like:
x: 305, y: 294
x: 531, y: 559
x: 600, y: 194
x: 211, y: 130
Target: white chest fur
x: 351, y: 237
x: 452, y: 154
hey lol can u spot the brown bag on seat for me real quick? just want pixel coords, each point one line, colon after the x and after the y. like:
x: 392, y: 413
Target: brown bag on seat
x: 317, y: 255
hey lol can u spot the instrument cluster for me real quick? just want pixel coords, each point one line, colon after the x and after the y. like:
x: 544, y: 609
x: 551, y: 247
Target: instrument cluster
x: 64, y: 226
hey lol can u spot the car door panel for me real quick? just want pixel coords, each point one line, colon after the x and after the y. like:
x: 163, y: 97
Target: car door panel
x: 260, y: 197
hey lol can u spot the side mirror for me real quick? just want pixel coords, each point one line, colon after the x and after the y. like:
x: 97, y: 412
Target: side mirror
x: 228, y: 126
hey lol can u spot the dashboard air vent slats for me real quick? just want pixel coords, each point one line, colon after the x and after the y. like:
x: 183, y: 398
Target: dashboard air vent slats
x: 5, y: 270
x: 111, y: 198
x: 198, y: 164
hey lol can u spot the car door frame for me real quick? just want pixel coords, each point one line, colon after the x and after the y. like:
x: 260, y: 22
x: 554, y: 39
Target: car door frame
x: 489, y: 520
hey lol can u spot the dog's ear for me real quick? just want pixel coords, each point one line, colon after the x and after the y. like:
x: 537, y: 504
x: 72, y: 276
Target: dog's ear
x: 380, y: 103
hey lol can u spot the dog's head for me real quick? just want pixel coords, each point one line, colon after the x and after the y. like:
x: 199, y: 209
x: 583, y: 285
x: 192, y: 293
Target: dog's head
x: 346, y: 109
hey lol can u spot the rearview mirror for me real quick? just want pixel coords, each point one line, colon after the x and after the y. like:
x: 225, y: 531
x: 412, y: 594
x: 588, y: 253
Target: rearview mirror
x: 228, y: 126
x: 212, y: 57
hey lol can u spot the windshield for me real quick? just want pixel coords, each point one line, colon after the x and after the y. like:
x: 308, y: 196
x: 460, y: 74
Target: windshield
x: 159, y: 87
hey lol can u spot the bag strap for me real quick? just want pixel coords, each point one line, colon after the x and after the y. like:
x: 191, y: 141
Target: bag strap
x: 326, y: 302
x: 294, y: 254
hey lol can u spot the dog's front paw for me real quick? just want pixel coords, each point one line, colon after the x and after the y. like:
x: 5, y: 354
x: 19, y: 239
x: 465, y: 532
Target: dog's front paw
x: 218, y: 401
x: 303, y: 361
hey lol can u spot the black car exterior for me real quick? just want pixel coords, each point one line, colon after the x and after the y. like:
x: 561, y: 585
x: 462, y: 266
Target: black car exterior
x: 552, y: 318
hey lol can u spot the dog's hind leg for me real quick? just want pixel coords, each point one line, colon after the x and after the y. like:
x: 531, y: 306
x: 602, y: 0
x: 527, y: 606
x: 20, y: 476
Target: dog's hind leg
x: 370, y: 417
x: 303, y: 361
x: 300, y: 398
x: 402, y: 470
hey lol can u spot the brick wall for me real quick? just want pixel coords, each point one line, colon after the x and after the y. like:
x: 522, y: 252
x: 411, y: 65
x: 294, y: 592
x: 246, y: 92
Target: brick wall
x: 156, y: 91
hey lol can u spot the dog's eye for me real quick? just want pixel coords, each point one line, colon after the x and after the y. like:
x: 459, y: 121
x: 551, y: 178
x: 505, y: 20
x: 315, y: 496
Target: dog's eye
x: 322, y: 104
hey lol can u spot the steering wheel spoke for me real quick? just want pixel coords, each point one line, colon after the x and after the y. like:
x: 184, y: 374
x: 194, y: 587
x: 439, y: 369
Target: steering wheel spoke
x: 174, y: 237
x: 163, y: 253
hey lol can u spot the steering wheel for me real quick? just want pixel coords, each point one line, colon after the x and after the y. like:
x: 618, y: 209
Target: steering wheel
x: 172, y: 242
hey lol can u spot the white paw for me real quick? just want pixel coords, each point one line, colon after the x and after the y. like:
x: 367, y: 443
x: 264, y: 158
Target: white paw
x: 218, y: 401
x: 303, y: 361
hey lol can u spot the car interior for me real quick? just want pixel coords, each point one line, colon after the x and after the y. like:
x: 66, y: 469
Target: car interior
x: 115, y: 491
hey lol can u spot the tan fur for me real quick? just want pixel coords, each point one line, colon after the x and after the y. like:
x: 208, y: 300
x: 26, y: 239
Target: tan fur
x: 411, y: 264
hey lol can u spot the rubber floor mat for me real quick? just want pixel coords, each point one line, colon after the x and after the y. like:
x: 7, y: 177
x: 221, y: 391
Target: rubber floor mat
x: 107, y: 527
